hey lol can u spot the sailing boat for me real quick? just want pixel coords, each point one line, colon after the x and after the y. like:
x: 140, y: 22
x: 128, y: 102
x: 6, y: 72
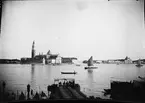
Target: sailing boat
x: 139, y: 63
x: 90, y: 64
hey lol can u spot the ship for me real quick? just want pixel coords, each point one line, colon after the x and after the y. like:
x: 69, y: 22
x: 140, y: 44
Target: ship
x: 69, y: 72
x: 127, y: 90
x: 139, y: 63
x: 90, y: 64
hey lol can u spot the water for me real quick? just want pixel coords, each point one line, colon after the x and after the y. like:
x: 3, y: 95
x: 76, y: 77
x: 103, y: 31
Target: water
x: 93, y: 82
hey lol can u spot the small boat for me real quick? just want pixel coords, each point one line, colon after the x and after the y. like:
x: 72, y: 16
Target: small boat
x: 91, y: 67
x: 117, y: 63
x: 69, y: 72
x: 90, y: 64
x: 139, y: 63
x: 142, y: 78
x: 78, y: 65
x: 107, y: 91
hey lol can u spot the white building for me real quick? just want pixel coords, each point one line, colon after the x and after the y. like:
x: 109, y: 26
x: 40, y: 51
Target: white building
x: 58, y: 59
x: 127, y: 60
x: 54, y: 59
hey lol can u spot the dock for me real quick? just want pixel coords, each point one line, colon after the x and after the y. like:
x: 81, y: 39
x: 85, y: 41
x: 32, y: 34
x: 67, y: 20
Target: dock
x: 75, y: 93
x: 67, y: 93
x: 68, y: 90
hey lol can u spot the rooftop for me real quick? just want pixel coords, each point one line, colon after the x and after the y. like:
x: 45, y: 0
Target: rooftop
x: 53, y: 56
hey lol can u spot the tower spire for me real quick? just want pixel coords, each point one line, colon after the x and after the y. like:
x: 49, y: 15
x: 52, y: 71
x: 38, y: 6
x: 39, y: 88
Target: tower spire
x: 33, y: 50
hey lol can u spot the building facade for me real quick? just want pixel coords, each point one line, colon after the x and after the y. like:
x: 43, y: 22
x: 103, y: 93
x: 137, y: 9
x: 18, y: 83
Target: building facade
x: 127, y: 60
x: 53, y: 59
x: 47, y: 58
x: 68, y: 59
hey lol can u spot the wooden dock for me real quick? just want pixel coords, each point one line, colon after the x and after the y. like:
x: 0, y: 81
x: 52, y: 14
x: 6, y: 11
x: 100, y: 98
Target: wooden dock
x: 75, y: 93
x: 65, y: 88
x: 64, y: 93
x: 68, y: 93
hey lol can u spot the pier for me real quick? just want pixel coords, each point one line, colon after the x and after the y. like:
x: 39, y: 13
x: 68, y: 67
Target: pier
x: 67, y: 90
x: 69, y: 93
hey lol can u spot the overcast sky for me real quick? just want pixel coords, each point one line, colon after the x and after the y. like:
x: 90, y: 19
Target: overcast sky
x: 79, y: 28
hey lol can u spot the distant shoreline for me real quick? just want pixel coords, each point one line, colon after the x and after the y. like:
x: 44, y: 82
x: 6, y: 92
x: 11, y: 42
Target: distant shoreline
x: 17, y: 61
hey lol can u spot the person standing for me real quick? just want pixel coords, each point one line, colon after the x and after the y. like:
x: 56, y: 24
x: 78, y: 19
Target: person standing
x: 28, y: 91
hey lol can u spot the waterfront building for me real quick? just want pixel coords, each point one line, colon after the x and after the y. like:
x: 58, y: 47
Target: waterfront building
x: 141, y: 60
x: 9, y: 61
x: 127, y: 60
x: 111, y: 61
x: 98, y: 61
x: 25, y: 60
x: 47, y: 58
x: 68, y: 59
x: 39, y: 58
x: 54, y: 59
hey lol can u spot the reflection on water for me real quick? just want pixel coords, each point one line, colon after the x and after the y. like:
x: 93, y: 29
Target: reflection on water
x: 33, y: 78
x: 92, y: 82
x: 90, y: 78
x: 48, y: 74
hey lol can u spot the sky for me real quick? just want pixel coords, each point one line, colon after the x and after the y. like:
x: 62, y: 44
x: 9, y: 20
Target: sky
x: 73, y: 28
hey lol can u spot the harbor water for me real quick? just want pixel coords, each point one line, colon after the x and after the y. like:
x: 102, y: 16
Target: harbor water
x: 92, y: 83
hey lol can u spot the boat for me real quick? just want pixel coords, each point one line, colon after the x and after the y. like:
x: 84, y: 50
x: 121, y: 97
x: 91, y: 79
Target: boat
x: 127, y: 90
x: 69, y: 72
x: 78, y: 65
x: 139, y: 63
x: 90, y: 64
x: 107, y: 92
x: 142, y: 78
x: 117, y: 63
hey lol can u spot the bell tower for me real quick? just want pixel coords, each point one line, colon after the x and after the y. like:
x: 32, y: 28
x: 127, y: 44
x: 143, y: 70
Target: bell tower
x: 33, y: 50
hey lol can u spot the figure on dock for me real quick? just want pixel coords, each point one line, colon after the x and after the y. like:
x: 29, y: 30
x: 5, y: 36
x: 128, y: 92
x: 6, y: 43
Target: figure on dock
x: 22, y: 96
x: 28, y: 91
x: 36, y: 96
x: 64, y: 83
x: 4, y: 86
x: 13, y: 96
x: 2, y: 95
x: 31, y: 92
x: 43, y: 95
x: 60, y: 84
